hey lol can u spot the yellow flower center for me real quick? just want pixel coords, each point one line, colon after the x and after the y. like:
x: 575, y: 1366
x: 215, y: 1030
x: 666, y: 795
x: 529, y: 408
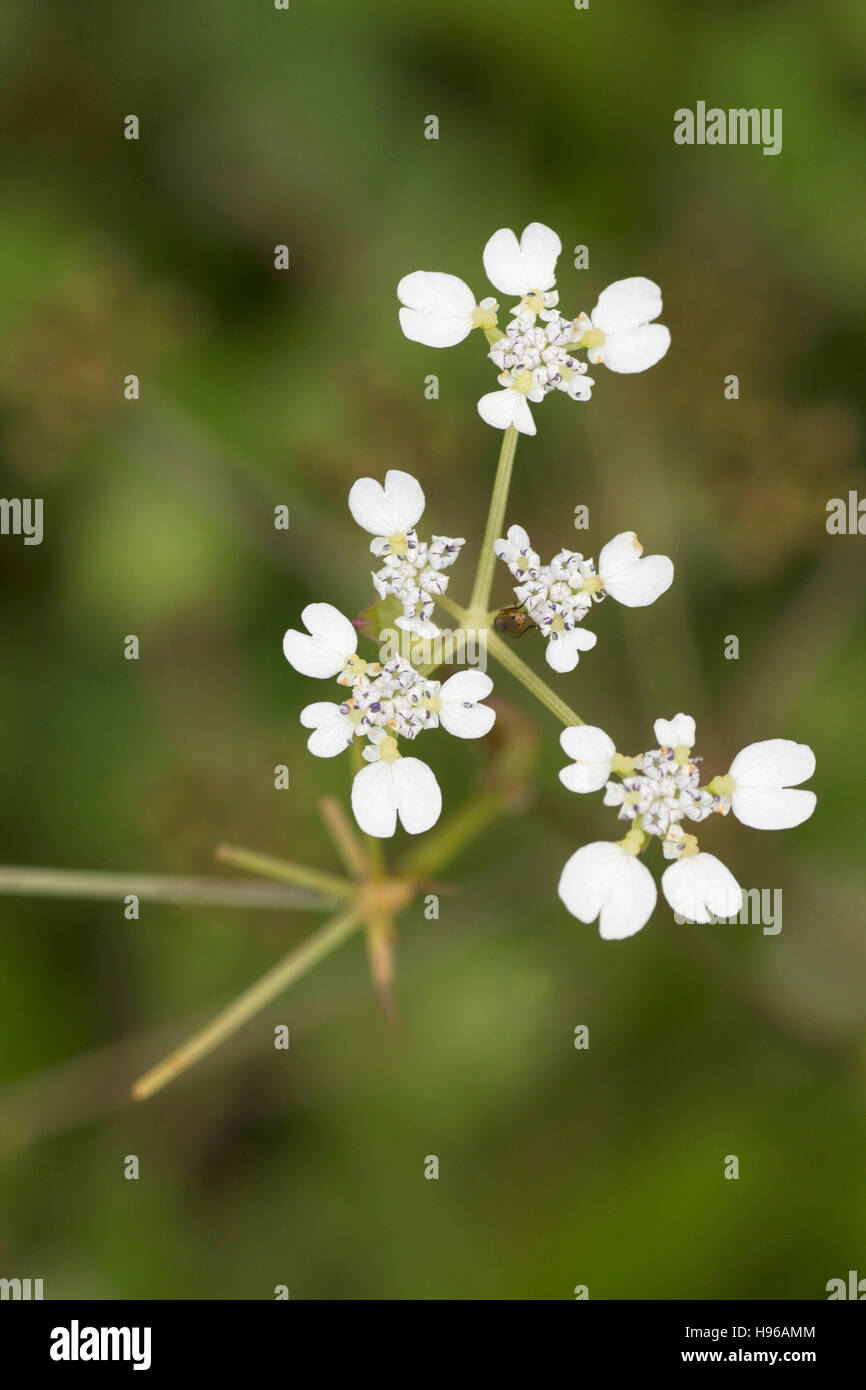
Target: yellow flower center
x: 522, y: 382
x: 483, y: 318
x: 622, y: 765
x: 633, y: 842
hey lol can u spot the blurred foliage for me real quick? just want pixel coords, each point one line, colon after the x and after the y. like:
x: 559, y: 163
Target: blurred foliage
x: 305, y: 127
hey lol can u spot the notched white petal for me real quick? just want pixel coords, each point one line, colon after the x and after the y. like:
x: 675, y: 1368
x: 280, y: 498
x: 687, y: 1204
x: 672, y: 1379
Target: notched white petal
x: 700, y: 887
x: 676, y: 732
x: 506, y: 407
x: 438, y: 308
x: 592, y: 750
x: 601, y: 880
x: 393, y: 509
x: 519, y: 267
x: 331, y: 641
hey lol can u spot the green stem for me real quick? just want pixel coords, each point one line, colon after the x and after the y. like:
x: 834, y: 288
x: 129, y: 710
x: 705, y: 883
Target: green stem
x: 155, y: 888
x: 289, y: 969
x: 266, y: 867
x: 533, y: 683
x: 498, y: 502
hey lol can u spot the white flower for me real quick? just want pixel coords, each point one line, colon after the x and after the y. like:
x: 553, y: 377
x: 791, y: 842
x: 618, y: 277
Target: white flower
x: 388, y: 701
x: 392, y: 785
x: 332, y: 642
x: 388, y: 512
x: 658, y: 793
x: 604, y: 880
x: 440, y: 310
x: 678, y: 732
x: 413, y: 569
x: 629, y: 579
x: 534, y: 361
x: 536, y: 353
x: 699, y: 887
x: 624, y: 311
x: 558, y: 596
x: 524, y: 267
x: 592, y: 751
x: 763, y: 775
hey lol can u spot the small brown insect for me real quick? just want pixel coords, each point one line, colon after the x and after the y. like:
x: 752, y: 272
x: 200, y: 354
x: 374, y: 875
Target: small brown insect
x: 513, y: 622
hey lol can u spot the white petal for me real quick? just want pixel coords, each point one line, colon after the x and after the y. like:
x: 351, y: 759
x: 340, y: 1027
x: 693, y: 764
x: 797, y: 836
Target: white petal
x: 523, y: 421
x: 601, y: 880
x: 407, y: 786
x: 699, y: 886
x: 518, y: 537
x: 768, y: 808
x: 628, y: 579
x: 580, y: 387
x: 472, y: 722
x: 560, y: 654
x: 419, y: 800
x: 333, y: 639
x: 466, y: 685
x: 503, y: 263
x: 634, y: 349
x: 530, y: 265
x: 539, y: 249
x: 676, y: 732
x: 619, y: 554
x: 642, y: 583
x: 434, y: 330
x: 762, y: 773
x: 563, y: 648
x: 775, y: 762
x: 374, y: 799
x: 627, y: 304
x: 464, y: 689
x: 332, y: 733
x: 432, y: 292
x: 438, y: 308
x: 506, y: 407
x: 389, y: 510
x: 592, y: 751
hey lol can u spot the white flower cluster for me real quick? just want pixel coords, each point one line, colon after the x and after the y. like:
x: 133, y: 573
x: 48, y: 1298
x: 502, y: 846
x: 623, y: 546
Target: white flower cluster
x: 558, y: 596
x: 388, y: 701
x: 535, y: 354
x: 413, y: 569
x: 657, y: 793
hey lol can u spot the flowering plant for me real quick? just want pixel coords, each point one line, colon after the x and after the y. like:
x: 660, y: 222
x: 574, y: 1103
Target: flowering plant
x: 657, y: 791
x: 389, y: 695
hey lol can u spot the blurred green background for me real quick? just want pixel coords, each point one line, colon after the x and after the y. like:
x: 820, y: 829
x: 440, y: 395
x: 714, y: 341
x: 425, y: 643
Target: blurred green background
x: 305, y: 127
